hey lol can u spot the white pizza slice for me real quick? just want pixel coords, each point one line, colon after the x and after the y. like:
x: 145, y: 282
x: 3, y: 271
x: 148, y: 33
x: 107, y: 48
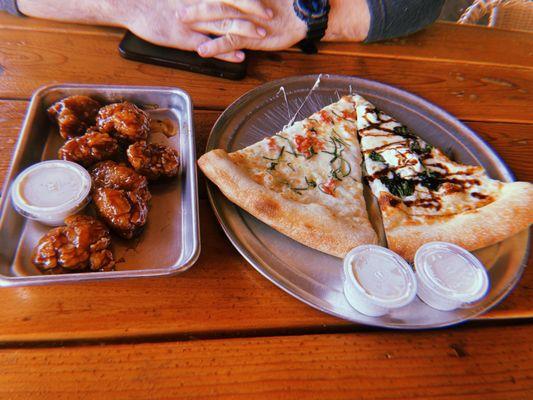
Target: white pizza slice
x: 304, y: 181
x: 424, y: 196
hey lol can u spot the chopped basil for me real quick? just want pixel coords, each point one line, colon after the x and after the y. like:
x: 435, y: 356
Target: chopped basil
x: 275, y: 161
x: 375, y: 156
x: 415, y: 147
x: 430, y: 180
x: 292, y: 151
x: 311, y: 184
x: 398, y: 186
x: 343, y: 170
x: 404, y: 132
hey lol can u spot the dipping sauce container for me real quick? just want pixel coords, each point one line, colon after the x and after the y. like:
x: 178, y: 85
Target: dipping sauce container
x: 449, y: 276
x: 50, y: 191
x: 377, y: 280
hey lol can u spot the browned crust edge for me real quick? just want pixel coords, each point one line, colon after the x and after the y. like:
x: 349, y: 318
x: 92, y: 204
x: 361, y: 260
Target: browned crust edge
x: 509, y: 214
x: 310, y: 224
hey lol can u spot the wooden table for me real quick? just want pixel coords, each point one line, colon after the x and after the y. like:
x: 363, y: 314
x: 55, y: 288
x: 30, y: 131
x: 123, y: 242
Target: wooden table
x: 221, y: 330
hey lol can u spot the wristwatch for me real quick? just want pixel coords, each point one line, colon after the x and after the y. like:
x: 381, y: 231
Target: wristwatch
x: 315, y: 14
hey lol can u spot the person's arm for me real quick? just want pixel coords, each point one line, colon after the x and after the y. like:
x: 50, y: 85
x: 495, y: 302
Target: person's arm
x: 156, y: 21
x: 349, y: 20
x: 394, y: 18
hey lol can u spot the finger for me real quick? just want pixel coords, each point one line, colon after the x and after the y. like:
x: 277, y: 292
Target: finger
x: 251, y: 7
x: 233, y: 56
x: 230, y: 26
x: 221, y: 45
x: 196, y: 39
x: 210, y: 12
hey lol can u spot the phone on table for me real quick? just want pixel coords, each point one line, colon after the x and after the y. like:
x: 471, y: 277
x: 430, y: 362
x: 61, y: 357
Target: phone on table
x: 137, y: 49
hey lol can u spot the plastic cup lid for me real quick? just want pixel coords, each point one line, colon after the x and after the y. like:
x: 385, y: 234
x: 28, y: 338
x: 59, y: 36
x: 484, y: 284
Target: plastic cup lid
x: 451, y: 271
x: 50, y: 188
x: 380, y: 275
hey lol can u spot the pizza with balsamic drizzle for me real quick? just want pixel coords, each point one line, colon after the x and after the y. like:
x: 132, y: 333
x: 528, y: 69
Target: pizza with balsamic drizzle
x: 424, y: 196
x: 304, y: 181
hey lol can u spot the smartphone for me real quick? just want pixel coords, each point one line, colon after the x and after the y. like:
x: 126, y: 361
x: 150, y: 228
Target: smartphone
x: 137, y: 49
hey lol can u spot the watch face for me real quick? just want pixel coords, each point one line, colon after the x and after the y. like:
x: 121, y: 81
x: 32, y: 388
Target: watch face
x: 313, y: 8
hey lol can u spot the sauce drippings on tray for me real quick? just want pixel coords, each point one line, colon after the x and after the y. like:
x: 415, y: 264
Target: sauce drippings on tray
x: 165, y: 126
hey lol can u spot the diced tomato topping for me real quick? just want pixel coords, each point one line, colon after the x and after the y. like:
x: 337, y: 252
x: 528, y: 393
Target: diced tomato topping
x: 309, y: 144
x: 329, y: 187
x: 349, y: 114
x: 326, y: 117
x: 272, y: 145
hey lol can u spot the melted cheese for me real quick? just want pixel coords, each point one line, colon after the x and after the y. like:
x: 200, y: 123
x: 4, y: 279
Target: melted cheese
x: 460, y: 188
x: 316, y: 160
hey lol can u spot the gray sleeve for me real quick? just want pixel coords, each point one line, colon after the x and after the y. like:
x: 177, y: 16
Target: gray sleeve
x: 10, y: 6
x: 393, y: 18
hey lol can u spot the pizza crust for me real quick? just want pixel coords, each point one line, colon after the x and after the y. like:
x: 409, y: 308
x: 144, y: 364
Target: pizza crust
x: 311, y: 224
x: 509, y: 214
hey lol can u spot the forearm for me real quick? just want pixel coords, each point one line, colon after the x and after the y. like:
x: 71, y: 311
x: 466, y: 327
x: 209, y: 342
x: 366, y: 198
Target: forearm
x: 97, y: 12
x: 349, y: 20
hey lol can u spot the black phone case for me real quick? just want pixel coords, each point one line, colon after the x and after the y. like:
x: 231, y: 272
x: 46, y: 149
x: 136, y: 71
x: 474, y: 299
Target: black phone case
x: 137, y: 49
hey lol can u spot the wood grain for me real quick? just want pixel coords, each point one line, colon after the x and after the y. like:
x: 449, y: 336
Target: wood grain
x: 220, y: 293
x: 467, y: 363
x: 512, y: 141
x: 449, y: 42
x: 443, y: 41
x: 475, y: 92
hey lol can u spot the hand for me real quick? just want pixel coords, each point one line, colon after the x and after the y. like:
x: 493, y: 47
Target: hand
x: 283, y: 30
x: 162, y: 22
x: 349, y: 20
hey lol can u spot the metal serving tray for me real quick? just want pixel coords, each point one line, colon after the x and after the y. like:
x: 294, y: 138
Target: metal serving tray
x: 170, y: 242
x: 314, y: 277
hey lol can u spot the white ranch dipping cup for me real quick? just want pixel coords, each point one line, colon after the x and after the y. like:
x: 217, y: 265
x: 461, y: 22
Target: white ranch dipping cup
x: 377, y: 280
x: 50, y: 191
x: 449, y: 277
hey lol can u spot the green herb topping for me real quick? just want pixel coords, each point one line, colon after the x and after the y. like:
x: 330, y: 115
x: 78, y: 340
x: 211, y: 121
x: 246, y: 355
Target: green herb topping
x: 430, y: 180
x: 404, y: 132
x: 415, y: 147
x: 398, y: 186
x: 375, y: 156
x: 275, y: 161
x: 311, y: 184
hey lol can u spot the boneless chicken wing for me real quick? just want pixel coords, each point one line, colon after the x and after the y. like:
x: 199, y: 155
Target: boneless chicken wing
x: 153, y: 160
x: 125, y: 121
x: 124, y: 211
x: 82, y: 245
x: 74, y: 115
x: 121, y: 197
x: 90, y: 148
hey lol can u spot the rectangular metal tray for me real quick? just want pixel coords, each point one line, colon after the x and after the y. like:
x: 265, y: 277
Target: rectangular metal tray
x: 170, y: 242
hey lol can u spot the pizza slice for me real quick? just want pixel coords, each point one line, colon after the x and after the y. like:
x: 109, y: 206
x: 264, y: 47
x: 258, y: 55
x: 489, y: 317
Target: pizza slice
x: 424, y: 196
x: 304, y: 181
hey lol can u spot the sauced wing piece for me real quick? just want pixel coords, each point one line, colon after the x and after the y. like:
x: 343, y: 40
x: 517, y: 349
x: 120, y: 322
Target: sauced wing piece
x: 82, y: 245
x: 74, y: 115
x: 90, y: 148
x: 121, y: 197
x: 153, y: 160
x: 125, y: 121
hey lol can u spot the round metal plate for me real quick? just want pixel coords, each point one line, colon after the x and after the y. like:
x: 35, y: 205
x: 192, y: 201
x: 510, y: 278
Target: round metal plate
x: 314, y: 277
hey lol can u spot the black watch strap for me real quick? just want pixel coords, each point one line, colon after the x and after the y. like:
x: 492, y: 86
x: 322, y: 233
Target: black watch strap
x: 316, y: 29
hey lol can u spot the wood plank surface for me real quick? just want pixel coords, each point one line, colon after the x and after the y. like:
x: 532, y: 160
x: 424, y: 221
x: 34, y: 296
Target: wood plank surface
x: 513, y: 141
x: 470, y: 43
x: 29, y: 60
x: 449, y: 42
x: 221, y: 293
x: 468, y: 363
